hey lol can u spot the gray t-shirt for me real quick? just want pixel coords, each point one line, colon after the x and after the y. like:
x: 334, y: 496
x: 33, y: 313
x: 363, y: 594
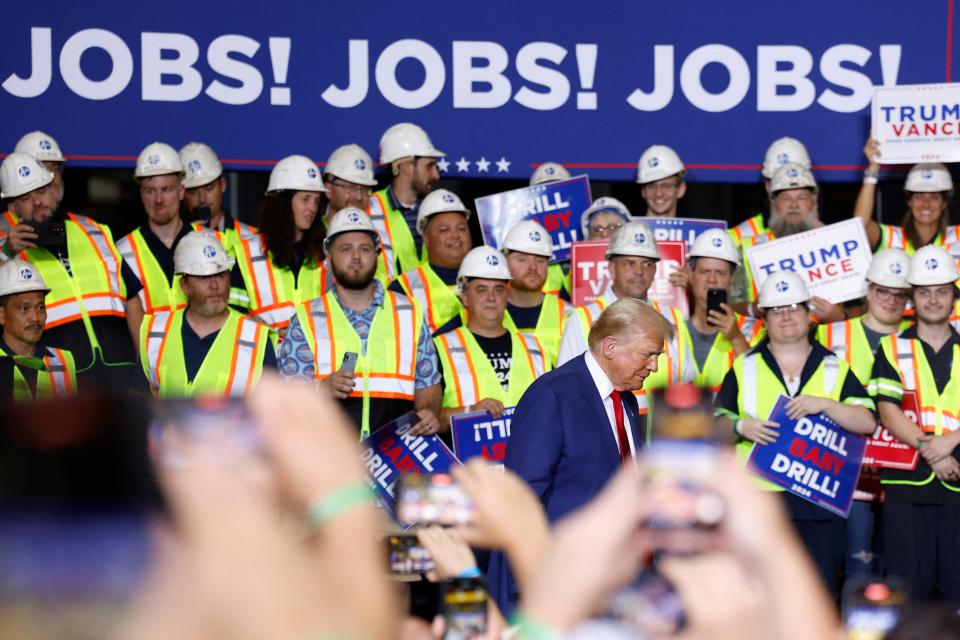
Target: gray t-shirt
x: 702, y: 343
x: 873, y: 337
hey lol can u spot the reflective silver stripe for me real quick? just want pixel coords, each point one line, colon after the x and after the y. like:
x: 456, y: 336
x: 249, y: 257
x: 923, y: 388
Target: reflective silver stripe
x: 156, y: 336
x: 72, y: 309
x: 405, y: 314
x: 103, y: 248
x: 459, y: 359
x: 417, y: 284
x: 905, y: 363
x: 259, y: 266
x: 246, y: 352
x: 393, y: 386
x: 323, y: 351
x: 125, y: 247
x: 244, y: 231
x: 748, y: 386
x: 831, y: 371
x: 929, y: 419
x: 57, y: 369
x: 536, y: 355
x: 837, y: 342
x: 379, y: 219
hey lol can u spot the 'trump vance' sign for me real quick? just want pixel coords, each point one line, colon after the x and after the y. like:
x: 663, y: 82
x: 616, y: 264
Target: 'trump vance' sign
x: 917, y: 123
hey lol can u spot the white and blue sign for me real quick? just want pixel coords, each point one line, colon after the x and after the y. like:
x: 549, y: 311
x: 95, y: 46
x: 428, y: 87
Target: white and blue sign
x: 556, y: 206
x: 686, y: 229
x: 391, y: 452
x: 813, y: 457
x: 479, y: 434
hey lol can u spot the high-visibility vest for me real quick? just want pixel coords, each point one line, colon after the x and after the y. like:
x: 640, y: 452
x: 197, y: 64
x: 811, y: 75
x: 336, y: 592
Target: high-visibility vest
x: 721, y: 355
x: 848, y: 340
x: 550, y: 325
x: 754, y: 226
x: 56, y: 380
x: 231, y: 368
x: 937, y: 412
x: 556, y: 281
x: 231, y: 236
x: 396, y: 239
x: 386, y: 369
x: 438, y: 299
x: 892, y: 236
x: 469, y: 377
x: 158, y: 293
x: 7, y: 222
x: 275, y: 292
x: 753, y: 291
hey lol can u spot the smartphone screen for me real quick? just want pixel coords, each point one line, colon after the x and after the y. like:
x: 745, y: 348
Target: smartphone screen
x: 465, y: 608
x: 406, y: 556
x: 872, y: 606
x: 433, y: 499
x: 651, y: 604
x: 715, y: 298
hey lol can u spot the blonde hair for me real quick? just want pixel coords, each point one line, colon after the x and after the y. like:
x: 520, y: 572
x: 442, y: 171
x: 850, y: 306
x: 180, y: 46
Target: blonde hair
x: 628, y: 317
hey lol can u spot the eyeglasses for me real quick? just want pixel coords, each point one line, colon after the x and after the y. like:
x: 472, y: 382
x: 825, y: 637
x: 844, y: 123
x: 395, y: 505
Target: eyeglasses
x: 787, y: 309
x: 888, y: 295
x: 605, y: 231
x: 350, y: 187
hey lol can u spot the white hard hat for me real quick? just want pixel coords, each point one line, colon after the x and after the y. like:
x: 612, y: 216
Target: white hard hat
x: 633, y: 239
x: 21, y: 173
x: 528, y: 236
x: 406, y: 140
x: 41, y: 146
x: 19, y: 276
x: 928, y: 178
x: 932, y: 265
x: 201, y: 164
x: 600, y: 205
x: 549, y: 172
x: 350, y: 219
x: 351, y: 163
x: 295, y: 173
x: 439, y: 201
x: 792, y: 176
x: 715, y: 243
x: 483, y: 262
x: 782, y: 151
x: 199, y: 253
x: 658, y: 162
x: 782, y: 288
x: 157, y: 159
x: 889, y: 268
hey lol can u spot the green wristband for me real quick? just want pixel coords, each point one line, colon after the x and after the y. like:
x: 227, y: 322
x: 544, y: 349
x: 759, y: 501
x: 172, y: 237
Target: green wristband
x: 322, y: 510
x: 920, y: 444
x: 531, y: 629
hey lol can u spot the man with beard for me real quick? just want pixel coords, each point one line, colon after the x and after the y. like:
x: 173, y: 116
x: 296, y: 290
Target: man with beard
x: 394, y: 366
x: 46, y: 150
x: 206, y: 348
x: 411, y: 156
x: 793, y: 209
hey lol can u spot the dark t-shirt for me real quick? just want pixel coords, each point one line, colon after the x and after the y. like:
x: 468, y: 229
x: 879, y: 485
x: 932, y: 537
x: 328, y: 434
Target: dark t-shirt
x: 195, y: 349
x: 525, y: 317
x: 500, y: 354
x: 873, y: 338
x: 160, y: 251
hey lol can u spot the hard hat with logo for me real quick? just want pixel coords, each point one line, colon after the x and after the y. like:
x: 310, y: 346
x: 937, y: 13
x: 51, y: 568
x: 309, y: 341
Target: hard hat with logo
x: 658, y: 162
x: 351, y: 163
x: 784, y: 150
x: 633, y: 239
x: 928, y: 178
x: 782, y: 288
x: 528, y: 236
x: 932, y: 265
x: 41, y: 146
x: 406, y: 140
x: 157, y: 159
x: 295, y: 173
x: 350, y: 219
x: 600, y: 205
x: 201, y: 164
x: 549, y: 172
x: 483, y: 262
x: 715, y: 243
x: 199, y: 253
x: 19, y: 276
x: 439, y: 201
x: 792, y: 176
x: 21, y: 173
x: 889, y: 268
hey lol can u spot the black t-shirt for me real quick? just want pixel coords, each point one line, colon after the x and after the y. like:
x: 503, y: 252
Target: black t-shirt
x: 525, y: 318
x: 448, y: 276
x: 500, y: 354
x: 160, y: 251
x: 195, y: 350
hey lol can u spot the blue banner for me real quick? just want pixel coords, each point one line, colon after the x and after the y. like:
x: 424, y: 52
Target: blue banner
x: 557, y: 207
x: 687, y: 229
x: 813, y: 457
x: 391, y: 452
x: 479, y: 434
x: 501, y: 87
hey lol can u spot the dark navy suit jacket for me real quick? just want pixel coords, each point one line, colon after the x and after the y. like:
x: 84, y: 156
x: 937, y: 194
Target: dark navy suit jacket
x: 561, y: 443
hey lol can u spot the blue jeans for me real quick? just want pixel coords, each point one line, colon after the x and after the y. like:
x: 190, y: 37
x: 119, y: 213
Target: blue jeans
x: 863, y: 557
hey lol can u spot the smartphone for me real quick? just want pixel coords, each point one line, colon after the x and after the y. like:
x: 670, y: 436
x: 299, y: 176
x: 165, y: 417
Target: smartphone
x: 201, y: 214
x: 433, y: 499
x: 219, y: 429
x: 872, y: 606
x: 650, y: 604
x: 50, y: 233
x: 349, y: 362
x: 465, y: 608
x: 406, y: 556
x: 715, y: 298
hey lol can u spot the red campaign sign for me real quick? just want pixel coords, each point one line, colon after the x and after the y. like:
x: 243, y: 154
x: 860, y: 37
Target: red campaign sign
x: 591, y: 275
x: 885, y: 450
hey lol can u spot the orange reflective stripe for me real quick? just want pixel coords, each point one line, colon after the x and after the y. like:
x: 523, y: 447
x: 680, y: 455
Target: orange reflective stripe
x: 456, y: 381
x: 396, y: 328
x: 66, y: 371
x: 258, y: 339
x: 848, y: 339
x: 148, y: 303
x: 233, y: 356
x: 163, y: 344
x: 473, y: 371
x: 249, y: 260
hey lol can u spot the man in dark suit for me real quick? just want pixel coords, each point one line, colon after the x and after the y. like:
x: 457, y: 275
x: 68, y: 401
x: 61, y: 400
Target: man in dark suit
x: 576, y: 425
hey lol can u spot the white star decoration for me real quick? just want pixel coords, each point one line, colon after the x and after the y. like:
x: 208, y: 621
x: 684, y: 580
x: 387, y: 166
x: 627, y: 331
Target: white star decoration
x: 443, y: 164
x: 463, y: 165
x: 503, y: 165
x: 483, y: 165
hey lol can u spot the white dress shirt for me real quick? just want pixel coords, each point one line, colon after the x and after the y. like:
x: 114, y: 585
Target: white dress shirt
x: 605, y: 388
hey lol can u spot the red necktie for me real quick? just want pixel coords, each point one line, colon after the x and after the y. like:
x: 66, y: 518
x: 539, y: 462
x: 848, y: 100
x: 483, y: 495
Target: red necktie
x: 621, y: 430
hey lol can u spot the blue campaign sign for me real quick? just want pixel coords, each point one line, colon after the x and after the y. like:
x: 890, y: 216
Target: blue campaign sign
x: 557, y: 207
x: 500, y: 88
x: 479, y: 434
x: 391, y: 452
x: 687, y: 229
x: 814, y: 458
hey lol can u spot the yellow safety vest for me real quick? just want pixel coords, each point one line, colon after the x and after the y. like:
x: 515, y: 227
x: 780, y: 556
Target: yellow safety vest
x: 231, y: 368
x: 230, y: 237
x: 720, y: 358
x: 396, y: 240
x: 938, y: 412
x: 55, y: 381
x: 556, y: 281
x: 749, y: 228
x: 550, y: 324
x: 469, y: 377
x: 848, y: 340
x: 894, y: 237
x: 752, y: 289
x: 439, y: 299
x: 275, y: 293
x: 158, y: 293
